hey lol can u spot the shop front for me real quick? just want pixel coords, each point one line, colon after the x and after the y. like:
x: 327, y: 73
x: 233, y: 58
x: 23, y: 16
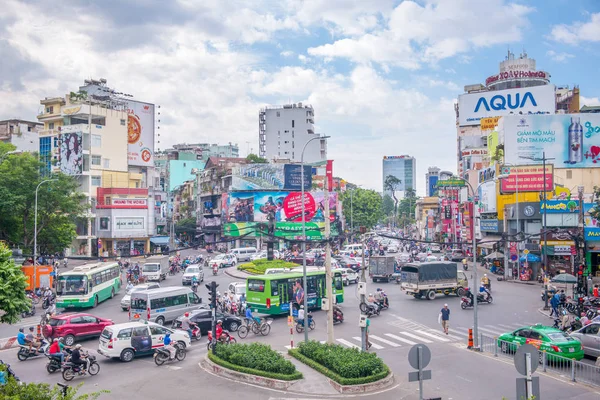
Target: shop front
x: 592, y: 256
x: 560, y: 251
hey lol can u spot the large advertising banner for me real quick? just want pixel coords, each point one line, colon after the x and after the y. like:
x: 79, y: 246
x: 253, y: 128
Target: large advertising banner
x: 528, y: 178
x: 287, y: 206
x: 487, y: 197
x: 473, y: 107
x: 271, y: 177
x: 571, y: 140
x: 140, y: 133
x: 71, y: 153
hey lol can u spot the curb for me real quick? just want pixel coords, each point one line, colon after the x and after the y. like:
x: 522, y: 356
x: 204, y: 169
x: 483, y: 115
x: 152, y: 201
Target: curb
x: 216, y: 369
x: 543, y: 312
x: 8, y: 343
x: 231, y: 274
x: 364, y: 388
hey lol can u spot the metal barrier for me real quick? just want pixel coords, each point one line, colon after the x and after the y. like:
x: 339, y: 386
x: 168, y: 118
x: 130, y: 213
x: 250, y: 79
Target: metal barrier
x: 577, y: 371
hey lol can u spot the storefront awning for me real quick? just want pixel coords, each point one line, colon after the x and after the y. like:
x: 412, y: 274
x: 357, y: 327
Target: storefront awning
x: 489, y: 242
x: 159, y: 240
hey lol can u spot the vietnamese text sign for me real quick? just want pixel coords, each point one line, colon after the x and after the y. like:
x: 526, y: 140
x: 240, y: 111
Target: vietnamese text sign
x: 129, y: 223
x: 571, y: 140
x: 488, y: 225
x: 472, y: 107
x: 529, y: 178
x: 450, y: 183
x: 488, y: 124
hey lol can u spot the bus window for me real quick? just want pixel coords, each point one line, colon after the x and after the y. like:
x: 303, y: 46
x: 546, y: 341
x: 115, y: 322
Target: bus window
x: 256, y: 285
x: 337, y: 282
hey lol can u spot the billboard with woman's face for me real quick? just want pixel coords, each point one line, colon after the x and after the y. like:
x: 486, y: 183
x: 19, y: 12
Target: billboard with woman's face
x: 71, y: 153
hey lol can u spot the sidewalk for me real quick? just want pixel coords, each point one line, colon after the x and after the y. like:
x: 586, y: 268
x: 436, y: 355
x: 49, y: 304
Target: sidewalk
x: 313, y: 382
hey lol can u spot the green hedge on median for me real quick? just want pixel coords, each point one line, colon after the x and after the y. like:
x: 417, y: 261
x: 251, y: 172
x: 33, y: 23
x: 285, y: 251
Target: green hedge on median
x: 343, y: 365
x: 258, y: 267
x: 256, y: 359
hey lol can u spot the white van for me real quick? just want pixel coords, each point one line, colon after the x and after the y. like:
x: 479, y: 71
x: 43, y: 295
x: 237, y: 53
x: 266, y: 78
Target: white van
x: 130, y: 339
x: 243, y: 253
x: 354, y: 248
x: 163, y: 304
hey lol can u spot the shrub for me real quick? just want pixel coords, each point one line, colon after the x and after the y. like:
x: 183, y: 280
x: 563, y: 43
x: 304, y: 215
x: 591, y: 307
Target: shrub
x: 252, y: 371
x: 346, y: 362
x: 258, y: 267
x: 256, y: 356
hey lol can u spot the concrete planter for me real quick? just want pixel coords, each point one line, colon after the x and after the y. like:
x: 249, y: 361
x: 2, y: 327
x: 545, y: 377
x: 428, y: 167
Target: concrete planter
x: 247, y: 378
x: 363, y: 388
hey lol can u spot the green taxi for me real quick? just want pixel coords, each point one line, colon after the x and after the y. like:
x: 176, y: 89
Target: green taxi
x: 551, y: 340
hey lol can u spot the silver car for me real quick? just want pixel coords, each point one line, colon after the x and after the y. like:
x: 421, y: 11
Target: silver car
x: 589, y: 336
x: 190, y: 272
x: 126, y: 300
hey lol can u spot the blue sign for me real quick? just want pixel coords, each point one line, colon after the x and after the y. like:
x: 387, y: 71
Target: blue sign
x: 592, y: 234
x: 499, y: 102
x: 432, y: 185
x: 488, y: 225
x: 293, y: 177
x: 563, y: 206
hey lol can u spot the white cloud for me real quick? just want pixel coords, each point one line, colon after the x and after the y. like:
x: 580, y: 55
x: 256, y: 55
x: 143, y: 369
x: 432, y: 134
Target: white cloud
x: 446, y: 84
x: 579, y: 31
x: 416, y: 33
x: 589, y: 101
x: 559, y: 57
x: 287, y: 53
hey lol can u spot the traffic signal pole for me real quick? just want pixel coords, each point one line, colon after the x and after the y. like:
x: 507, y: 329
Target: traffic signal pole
x: 212, y: 293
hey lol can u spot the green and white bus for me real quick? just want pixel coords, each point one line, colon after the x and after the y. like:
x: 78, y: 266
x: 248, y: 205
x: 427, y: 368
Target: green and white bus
x: 272, y: 294
x: 88, y: 285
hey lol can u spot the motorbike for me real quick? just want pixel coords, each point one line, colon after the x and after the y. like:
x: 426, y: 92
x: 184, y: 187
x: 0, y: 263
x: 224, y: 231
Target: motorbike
x: 369, y: 309
x: 173, y: 269
x: 48, y: 300
x: 467, y: 300
x: 70, y: 370
x: 35, y: 299
x: 384, y: 303
x: 465, y: 266
x: 226, y: 338
x: 195, y: 287
x: 29, y: 313
x: 338, y: 316
x: 54, y: 362
x: 300, y: 323
x: 215, y: 269
x: 24, y: 352
x: 162, y: 355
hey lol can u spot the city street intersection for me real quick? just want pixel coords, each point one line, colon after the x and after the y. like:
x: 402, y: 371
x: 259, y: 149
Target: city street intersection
x: 458, y: 373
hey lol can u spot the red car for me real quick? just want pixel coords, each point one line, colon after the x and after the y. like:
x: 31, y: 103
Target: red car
x: 75, y: 326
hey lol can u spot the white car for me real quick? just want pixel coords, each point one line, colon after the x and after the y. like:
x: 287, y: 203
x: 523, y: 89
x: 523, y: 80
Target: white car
x: 392, y: 248
x: 190, y: 272
x: 349, y: 276
x: 223, y: 260
x: 263, y: 255
x: 132, y: 339
x: 126, y: 300
x: 435, y: 248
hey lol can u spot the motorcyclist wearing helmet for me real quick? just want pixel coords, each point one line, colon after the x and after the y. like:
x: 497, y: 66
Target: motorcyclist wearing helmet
x: 55, y: 350
x: 168, y: 342
x: 32, y: 340
x: 79, y: 358
x: 373, y: 302
x: 219, y: 330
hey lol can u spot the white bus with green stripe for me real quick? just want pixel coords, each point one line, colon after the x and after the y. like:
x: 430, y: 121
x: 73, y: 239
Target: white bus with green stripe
x: 88, y: 285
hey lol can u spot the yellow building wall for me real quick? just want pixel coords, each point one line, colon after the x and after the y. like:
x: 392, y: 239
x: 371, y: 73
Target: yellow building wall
x: 571, y: 178
x: 117, y: 179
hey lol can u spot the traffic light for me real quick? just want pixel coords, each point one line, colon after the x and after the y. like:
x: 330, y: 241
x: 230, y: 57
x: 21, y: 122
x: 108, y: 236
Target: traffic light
x: 212, y: 294
x: 580, y: 279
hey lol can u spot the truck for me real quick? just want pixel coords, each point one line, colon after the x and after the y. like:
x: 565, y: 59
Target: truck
x: 381, y: 268
x: 155, y: 268
x: 429, y: 279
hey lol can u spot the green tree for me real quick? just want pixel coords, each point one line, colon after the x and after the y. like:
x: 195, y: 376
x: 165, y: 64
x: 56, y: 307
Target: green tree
x: 13, y: 299
x: 254, y: 159
x: 391, y: 184
x: 14, y: 390
x: 366, y: 207
x: 186, y: 226
x: 407, y: 206
x: 387, y: 205
x: 59, y: 203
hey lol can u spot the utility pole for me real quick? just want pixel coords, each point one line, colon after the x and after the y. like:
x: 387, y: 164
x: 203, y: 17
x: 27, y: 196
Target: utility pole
x: 363, y: 278
x: 581, y: 234
x: 328, y: 277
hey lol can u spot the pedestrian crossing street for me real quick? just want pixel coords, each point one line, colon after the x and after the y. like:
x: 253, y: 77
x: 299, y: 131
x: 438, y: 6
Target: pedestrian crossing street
x: 411, y: 333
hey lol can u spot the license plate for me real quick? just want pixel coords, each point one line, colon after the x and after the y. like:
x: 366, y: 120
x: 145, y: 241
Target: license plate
x: 571, y: 350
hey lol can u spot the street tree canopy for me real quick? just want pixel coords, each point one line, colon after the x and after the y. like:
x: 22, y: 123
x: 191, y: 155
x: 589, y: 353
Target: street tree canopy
x: 13, y: 299
x: 366, y: 207
x: 388, y: 205
x: 59, y: 204
x: 254, y: 159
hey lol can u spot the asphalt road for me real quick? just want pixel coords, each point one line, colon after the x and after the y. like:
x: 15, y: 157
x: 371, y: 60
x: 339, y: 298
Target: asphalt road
x: 457, y: 373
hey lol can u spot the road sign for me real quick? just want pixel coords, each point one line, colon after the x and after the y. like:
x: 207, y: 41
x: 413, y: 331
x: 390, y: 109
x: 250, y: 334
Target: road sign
x: 525, y: 251
x: 514, y: 257
x: 414, y: 376
x: 520, y: 360
x: 413, y: 356
x: 505, y: 171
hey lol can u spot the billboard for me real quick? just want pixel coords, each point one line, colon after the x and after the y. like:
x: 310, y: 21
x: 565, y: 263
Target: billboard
x: 571, y: 140
x: 528, y: 178
x: 432, y: 185
x: 71, y: 153
x: 472, y: 107
x: 563, y: 206
x: 270, y: 177
x: 255, y: 206
x: 487, y: 197
x: 140, y: 133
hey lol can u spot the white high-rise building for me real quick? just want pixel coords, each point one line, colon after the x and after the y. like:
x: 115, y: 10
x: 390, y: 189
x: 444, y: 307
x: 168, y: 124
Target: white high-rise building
x: 284, y: 130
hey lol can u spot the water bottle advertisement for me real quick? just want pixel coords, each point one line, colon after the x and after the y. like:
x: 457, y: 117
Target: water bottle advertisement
x: 572, y: 141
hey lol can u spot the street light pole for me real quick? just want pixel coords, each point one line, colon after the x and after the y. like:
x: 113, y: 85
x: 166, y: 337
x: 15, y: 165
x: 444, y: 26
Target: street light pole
x: 304, y: 285
x: 8, y: 153
x: 35, y: 231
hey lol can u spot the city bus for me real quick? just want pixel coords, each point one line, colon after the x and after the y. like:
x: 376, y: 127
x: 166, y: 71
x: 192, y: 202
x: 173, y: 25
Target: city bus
x: 271, y: 294
x: 88, y: 285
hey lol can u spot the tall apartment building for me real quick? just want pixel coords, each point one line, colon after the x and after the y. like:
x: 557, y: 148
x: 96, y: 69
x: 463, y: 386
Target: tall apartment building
x: 431, y: 178
x: 21, y: 134
x: 402, y: 167
x: 283, y: 131
x: 106, y: 141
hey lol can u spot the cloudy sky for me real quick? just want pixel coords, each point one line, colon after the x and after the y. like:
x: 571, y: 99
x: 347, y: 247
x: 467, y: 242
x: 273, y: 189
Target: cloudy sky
x: 382, y: 75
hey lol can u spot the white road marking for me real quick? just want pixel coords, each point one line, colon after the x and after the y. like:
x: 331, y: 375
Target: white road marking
x: 416, y: 337
x: 449, y: 335
x: 384, y: 341
x: 490, y: 331
x: 436, y: 337
x: 347, y: 343
x: 374, y: 345
x: 400, y: 339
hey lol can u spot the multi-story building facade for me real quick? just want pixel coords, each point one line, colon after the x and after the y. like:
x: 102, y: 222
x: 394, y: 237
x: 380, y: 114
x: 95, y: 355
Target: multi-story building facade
x: 106, y: 142
x: 283, y: 131
x: 431, y: 178
x: 402, y: 167
x: 21, y: 134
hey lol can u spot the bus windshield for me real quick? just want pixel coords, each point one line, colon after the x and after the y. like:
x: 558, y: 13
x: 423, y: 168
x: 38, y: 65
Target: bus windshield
x: 72, y: 285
